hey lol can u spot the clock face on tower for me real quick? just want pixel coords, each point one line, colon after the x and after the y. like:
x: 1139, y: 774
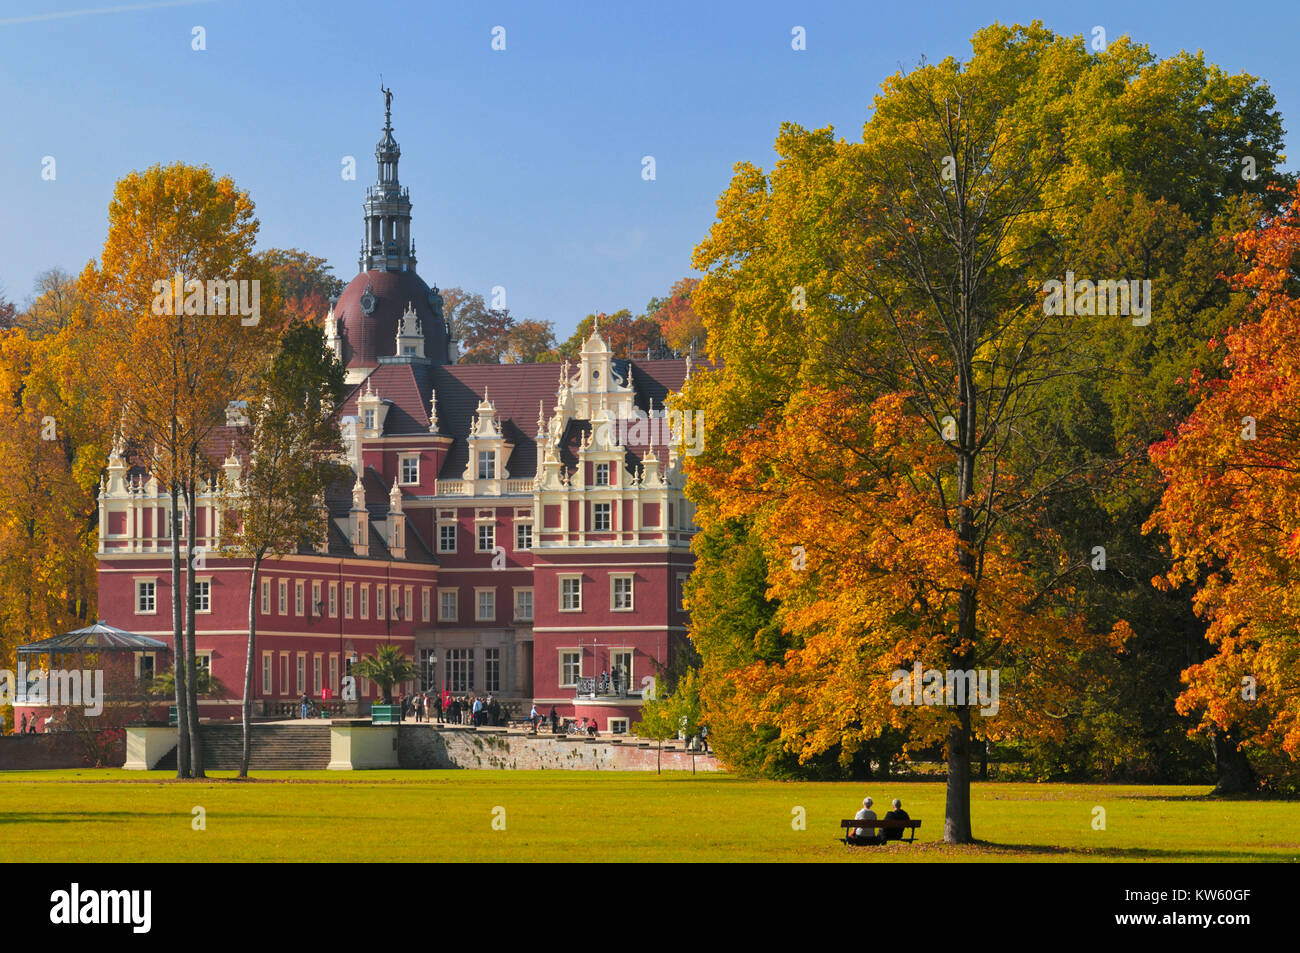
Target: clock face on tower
x: 367, y: 303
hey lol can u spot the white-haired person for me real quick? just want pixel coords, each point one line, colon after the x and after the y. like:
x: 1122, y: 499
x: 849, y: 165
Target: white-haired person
x: 864, y: 835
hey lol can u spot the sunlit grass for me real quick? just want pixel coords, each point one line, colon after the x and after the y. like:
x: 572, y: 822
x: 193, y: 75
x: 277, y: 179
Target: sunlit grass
x: 114, y: 815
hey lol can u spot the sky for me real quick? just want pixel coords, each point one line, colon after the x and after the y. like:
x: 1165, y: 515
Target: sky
x: 525, y: 165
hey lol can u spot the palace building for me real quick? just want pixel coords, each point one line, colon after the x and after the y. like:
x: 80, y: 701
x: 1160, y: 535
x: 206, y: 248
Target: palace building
x: 504, y: 526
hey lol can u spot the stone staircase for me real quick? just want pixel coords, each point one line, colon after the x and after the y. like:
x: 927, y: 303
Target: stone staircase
x: 274, y: 747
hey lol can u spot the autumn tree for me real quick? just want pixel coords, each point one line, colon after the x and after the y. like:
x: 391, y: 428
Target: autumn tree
x: 483, y: 332
x: 54, y: 305
x: 291, y: 444
x: 8, y: 312
x: 530, y: 342
x: 679, y: 324
x: 305, y: 283
x: 1232, y: 476
x: 628, y: 336
x: 182, y: 343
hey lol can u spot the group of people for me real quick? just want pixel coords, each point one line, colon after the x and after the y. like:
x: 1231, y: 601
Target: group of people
x: 869, y: 835
x: 537, y: 720
x: 26, y: 727
x: 450, y: 709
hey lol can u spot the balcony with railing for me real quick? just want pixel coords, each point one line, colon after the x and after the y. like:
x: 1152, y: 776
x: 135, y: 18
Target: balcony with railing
x: 604, y: 686
x: 466, y: 487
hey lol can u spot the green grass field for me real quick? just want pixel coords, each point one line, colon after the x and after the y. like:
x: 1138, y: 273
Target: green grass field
x: 113, y: 815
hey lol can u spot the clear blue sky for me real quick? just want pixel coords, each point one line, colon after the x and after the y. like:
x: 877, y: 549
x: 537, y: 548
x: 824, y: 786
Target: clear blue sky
x: 525, y: 165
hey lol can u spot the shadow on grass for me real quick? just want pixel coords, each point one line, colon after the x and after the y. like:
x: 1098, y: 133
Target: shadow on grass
x: 985, y: 848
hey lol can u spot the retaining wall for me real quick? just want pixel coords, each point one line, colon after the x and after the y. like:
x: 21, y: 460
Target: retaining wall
x: 429, y: 746
x: 58, y: 749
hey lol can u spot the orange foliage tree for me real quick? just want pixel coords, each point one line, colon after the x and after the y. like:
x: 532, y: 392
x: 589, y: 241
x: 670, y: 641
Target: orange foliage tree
x: 1232, y: 475
x: 856, y: 504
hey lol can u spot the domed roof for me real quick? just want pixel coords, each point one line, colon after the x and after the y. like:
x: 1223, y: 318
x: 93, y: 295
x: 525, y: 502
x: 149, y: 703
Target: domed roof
x: 368, y: 328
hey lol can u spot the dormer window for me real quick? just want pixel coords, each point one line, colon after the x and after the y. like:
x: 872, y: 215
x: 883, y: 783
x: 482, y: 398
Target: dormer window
x: 602, y: 474
x: 370, y: 420
x: 487, y: 464
x: 410, y: 470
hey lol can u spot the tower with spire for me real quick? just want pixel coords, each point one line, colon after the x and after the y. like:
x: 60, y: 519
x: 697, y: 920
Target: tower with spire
x: 387, y: 245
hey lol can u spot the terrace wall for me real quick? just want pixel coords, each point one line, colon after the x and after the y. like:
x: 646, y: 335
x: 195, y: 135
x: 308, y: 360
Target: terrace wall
x: 428, y: 746
x: 59, y: 749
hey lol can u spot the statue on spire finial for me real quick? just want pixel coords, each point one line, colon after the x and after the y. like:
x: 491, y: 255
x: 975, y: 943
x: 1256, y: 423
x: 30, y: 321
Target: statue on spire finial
x: 388, y: 102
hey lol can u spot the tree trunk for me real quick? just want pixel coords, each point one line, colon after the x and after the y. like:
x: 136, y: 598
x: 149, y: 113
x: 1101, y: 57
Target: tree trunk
x: 956, y: 820
x: 956, y: 811
x: 178, y: 648
x: 1235, y: 775
x: 191, y: 658
x: 247, y: 707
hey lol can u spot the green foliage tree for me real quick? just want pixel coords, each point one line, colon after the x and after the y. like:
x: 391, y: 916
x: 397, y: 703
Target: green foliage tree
x: 818, y: 227
x: 291, y: 445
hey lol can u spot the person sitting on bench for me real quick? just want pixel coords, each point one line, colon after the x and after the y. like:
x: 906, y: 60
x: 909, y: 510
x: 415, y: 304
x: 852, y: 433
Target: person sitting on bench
x: 865, y: 835
x: 897, y: 814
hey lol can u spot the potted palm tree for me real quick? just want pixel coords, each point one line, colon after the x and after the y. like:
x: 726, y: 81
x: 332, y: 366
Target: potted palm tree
x: 386, y: 668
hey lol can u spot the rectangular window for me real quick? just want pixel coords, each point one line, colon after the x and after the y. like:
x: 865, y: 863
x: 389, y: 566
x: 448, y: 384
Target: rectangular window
x: 334, y: 600
x: 297, y: 597
x: 447, y: 609
x: 618, y: 726
x: 202, y: 596
x: 427, y: 673
x: 266, y: 673
x: 317, y: 676
x: 266, y: 597
x: 334, y: 672
x: 370, y: 420
x: 379, y: 602
x: 424, y: 603
x: 447, y: 538
x: 410, y: 470
x: 523, y: 536
x: 347, y: 600
x: 602, y: 474
x: 570, y: 669
x: 524, y: 605
x: 681, y: 591
x: 487, y: 464
x: 492, y: 670
x: 487, y: 605
x: 571, y: 594
x: 203, y: 662
x: 317, y: 606
x: 365, y: 601
x: 302, y: 673
x: 620, y: 593
x: 600, y: 517
x: 620, y: 670
x: 146, y: 597
x: 460, y: 670
x: 407, y: 604
x: 284, y: 597
x: 284, y: 673
x: 487, y: 537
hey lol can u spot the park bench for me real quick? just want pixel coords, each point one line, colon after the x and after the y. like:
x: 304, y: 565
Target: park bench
x: 851, y: 824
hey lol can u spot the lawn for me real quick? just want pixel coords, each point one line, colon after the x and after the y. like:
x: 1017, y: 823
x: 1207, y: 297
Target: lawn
x: 113, y: 815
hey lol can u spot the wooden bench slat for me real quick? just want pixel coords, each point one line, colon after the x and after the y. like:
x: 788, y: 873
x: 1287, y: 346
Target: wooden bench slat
x: 892, y: 825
